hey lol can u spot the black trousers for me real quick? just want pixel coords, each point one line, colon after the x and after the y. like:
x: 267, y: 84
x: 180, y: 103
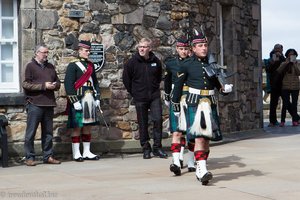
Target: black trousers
x: 142, y: 110
x: 286, y: 104
x: 39, y: 115
x: 274, y: 98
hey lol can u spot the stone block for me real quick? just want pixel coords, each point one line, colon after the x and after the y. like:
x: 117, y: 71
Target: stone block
x: 47, y: 19
x: 28, y: 19
x: 28, y: 4
x: 135, y: 17
x: 28, y: 42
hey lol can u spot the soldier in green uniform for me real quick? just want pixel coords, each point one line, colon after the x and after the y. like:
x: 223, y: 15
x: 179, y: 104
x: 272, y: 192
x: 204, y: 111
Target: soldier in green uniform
x: 178, y: 140
x: 202, y: 119
x: 83, y: 94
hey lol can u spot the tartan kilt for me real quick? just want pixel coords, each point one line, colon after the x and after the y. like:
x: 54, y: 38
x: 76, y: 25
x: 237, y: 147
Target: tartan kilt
x: 86, y: 116
x: 216, y: 132
x: 173, y: 120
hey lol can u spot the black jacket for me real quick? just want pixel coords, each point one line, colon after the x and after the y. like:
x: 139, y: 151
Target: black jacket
x: 142, y: 77
x: 275, y: 77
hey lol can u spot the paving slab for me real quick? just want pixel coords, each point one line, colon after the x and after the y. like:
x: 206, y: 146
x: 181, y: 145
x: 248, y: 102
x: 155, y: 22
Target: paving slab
x: 265, y: 166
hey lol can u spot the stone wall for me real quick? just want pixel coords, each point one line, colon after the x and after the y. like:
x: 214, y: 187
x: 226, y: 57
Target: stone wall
x: 118, y: 25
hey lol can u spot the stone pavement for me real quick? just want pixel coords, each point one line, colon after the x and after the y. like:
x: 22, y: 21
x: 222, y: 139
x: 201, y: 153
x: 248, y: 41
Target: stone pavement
x: 265, y: 166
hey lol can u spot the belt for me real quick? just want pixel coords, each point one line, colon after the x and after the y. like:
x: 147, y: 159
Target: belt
x: 201, y: 92
x: 185, y: 88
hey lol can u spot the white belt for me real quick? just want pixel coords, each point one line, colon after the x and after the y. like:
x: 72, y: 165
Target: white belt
x: 201, y: 92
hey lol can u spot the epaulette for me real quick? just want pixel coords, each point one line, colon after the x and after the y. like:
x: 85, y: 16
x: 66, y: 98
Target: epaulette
x: 75, y: 60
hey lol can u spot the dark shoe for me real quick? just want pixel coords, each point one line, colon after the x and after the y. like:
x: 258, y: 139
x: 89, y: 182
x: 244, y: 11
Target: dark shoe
x: 205, y: 178
x: 94, y: 158
x: 160, y: 153
x: 175, y: 169
x: 271, y: 125
x: 80, y: 159
x: 191, y: 169
x: 51, y: 160
x: 295, y: 124
x: 30, y: 163
x: 147, y: 154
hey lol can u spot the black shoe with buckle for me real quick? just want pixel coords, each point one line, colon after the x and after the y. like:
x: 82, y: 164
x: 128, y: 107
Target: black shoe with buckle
x: 160, y: 153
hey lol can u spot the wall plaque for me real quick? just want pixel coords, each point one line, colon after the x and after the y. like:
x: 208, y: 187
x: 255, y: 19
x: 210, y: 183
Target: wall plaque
x: 97, y: 55
x: 76, y: 13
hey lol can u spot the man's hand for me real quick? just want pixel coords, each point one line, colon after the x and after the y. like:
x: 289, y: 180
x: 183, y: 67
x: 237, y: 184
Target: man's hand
x: 77, y: 105
x: 227, y: 88
x: 50, y: 85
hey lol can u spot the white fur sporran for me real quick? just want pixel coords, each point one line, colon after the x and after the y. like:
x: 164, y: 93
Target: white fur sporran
x: 203, y: 111
x: 88, y: 108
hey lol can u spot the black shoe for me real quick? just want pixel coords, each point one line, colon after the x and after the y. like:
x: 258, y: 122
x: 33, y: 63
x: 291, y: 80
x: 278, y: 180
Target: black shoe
x: 160, y: 153
x: 93, y: 158
x: 205, y: 178
x: 147, y: 154
x: 181, y: 164
x: 80, y: 159
x: 191, y: 169
x: 175, y: 169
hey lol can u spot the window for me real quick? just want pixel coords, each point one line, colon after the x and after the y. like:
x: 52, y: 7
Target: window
x: 9, y: 61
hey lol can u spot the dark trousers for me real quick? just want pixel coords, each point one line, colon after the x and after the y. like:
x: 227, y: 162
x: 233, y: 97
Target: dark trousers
x: 274, y: 98
x: 286, y: 104
x: 35, y: 116
x: 142, y: 110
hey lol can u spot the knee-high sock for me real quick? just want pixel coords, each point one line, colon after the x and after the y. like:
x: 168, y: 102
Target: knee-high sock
x: 175, y: 148
x: 76, y: 147
x: 190, y: 155
x: 86, y: 141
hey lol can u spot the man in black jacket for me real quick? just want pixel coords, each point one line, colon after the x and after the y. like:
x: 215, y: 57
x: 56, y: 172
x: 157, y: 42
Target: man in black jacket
x: 142, y: 76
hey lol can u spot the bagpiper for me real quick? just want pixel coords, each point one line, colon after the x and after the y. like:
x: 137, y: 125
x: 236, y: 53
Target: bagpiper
x: 203, y: 80
x: 178, y: 139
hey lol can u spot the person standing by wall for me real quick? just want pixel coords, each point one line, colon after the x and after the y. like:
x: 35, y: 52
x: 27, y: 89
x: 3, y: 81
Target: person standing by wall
x: 141, y: 77
x: 290, y: 71
x: 83, y: 94
x: 39, y: 85
x: 275, y: 60
x: 202, y: 117
x: 178, y: 139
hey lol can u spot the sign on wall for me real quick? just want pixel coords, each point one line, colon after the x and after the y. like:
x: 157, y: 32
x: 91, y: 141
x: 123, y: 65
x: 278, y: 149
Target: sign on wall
x: 97, y: 55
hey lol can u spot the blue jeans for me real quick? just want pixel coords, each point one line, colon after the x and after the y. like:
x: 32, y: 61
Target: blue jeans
x: 35, y: 116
